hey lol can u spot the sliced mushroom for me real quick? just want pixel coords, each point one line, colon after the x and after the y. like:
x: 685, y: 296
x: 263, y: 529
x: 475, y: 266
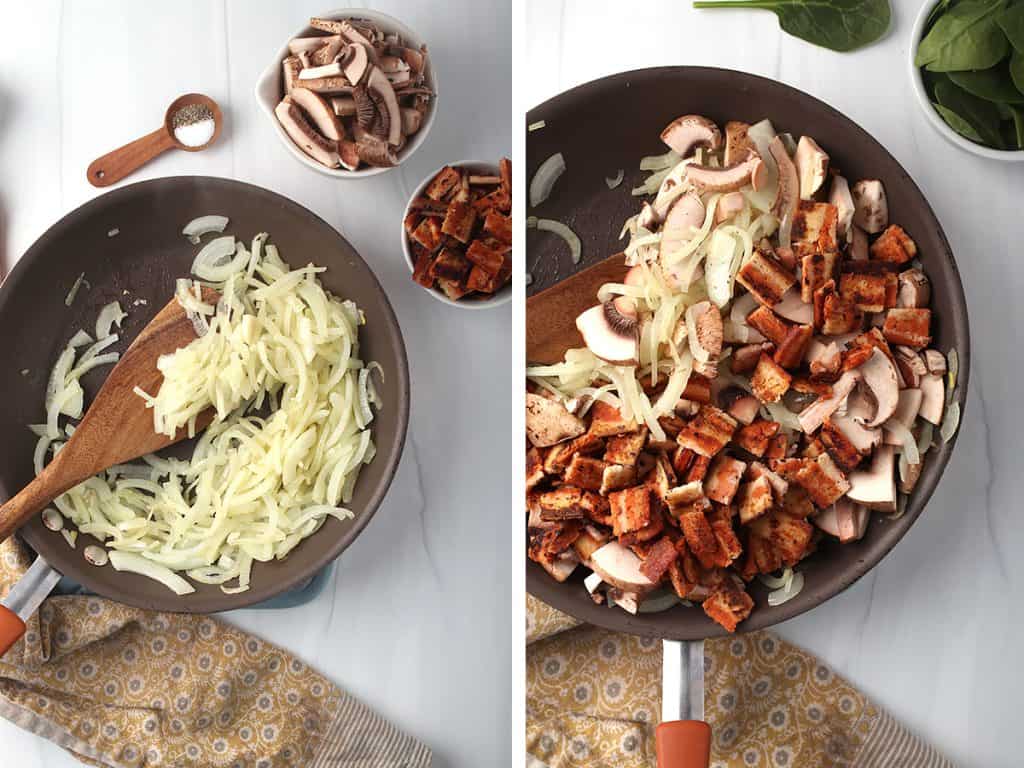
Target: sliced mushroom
x: 738, y: 143
x: 348, y: 154
x: 609, y: 333
x: 686, y: 133
x: 915, y: 290
x: 814, y: 415
x: 907, y: 408
x: 317, y: 110
x: 412, y: 119
x: 375, y: 152
x: 725, y: 179
x: 864, y: 439
x: 793, y: 308
x: 858, y: 244
x: 344, y: 106
x: 910, y: 366
x: 880, y: 378
x: 705, y: 335
x: 872, y: 209
x: 729, y: 205
x: 686, y: 215
x: 618, y: 566
x: 327, y: 70
x: 935, y: 362
x: 354, y: 61
x: 329, y: 52
x: 290, y: 69
x: 788, y: 195
x: 299, y: 45
x: 875, y: 487
x: 549, y: 423
x: 839, y: 196
x: 668, y: 192
x: 933, y: 398
x: 305, y: 136
x: 378, y: 86
x: 811, y: 166
x: 560, y: 567
x: 366, y: 111
x: 853, y: 524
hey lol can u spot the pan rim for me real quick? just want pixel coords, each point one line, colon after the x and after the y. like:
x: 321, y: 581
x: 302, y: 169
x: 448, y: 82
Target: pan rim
x: 390, y: 458
x: 557, y: 595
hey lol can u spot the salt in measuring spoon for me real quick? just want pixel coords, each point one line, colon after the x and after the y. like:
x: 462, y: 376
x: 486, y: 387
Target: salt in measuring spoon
x: 192, y: 123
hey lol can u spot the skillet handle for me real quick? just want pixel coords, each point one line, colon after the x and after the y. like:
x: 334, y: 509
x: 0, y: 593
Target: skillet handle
x: 683, y: 744
x: 11, y: 628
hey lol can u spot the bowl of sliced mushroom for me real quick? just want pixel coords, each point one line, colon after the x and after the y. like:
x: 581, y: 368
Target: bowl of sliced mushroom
x: 352, y: 94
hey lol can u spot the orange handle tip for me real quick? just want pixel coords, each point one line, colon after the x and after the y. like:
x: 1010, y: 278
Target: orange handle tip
x: 11, y: 628
x: 683, y: 744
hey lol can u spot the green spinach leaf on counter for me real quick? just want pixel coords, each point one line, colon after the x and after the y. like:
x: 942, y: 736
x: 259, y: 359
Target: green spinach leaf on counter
x: 840, y: 25
x: 966, y: 36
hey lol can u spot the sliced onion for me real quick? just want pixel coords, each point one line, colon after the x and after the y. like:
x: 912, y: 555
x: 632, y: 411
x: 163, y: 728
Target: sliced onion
x: 660, y: 162
x: 558, y: 228
x: 70, y: 298
x: 80, y: 339
x: 777, y: 582
x: 535, y: 126
x: 133, y: 563
x: 544, y: 179
x: 784, y: 416
x: 787, y: 593
x: 110, y: 315
x: 614, y: 181
x: 213, y: 260
x: 906, y: 439
x: 204, y: 225
x: 952, y: 369
x: 657, y: 603
x: 950, y: 422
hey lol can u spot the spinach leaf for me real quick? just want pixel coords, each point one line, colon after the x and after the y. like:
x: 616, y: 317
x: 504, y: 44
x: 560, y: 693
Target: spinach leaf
x: 1017, y: 69
x: 840, y: 25
x: 939, y: 8
x: 1011, y: 21
x: 981, y: 115
x: 957, y: 123
x: 989, y: 84
x: 1018, y: 123
x: 968, y: 36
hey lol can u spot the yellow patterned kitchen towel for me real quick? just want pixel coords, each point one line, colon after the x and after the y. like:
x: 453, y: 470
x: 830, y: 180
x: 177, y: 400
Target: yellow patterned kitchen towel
x: 126, y: 688
x: 593, y: 698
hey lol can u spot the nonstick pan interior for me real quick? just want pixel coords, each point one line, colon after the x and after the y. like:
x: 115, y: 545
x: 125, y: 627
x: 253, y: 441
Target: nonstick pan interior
x: 609, y: 124
x: 129, y: 245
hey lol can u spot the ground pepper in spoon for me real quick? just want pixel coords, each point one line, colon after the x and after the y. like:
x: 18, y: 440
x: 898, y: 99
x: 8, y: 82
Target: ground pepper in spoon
x: 192, y: 123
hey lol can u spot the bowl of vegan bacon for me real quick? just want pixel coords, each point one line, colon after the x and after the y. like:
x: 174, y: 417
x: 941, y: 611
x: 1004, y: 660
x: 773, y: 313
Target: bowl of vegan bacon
x: 457, y: 234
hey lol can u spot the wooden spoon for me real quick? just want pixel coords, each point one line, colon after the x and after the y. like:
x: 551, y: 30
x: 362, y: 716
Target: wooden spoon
x: 118, y: 427
x: 114, y: 166
x: 551, y: 314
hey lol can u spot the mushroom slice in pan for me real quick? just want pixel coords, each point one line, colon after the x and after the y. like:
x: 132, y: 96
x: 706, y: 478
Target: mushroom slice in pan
x: 839, y: 196
x: 811, y: 166
x: 610, y: 333
x: 685, y: 216
x: 620, y: 567
x: 880, y: 380
x: 308, y: 139
x: 875, y: 487
x: 318, y: 110
x: 549, y: 423
x: 725, y: 179
x: 686, y: 133
x: 872, y: 208
x: 788, y: 196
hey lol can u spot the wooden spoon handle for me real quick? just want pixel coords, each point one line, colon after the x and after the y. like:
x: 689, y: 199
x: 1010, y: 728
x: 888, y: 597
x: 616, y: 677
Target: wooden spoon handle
x: 114, y: 166
x: 34, y: 497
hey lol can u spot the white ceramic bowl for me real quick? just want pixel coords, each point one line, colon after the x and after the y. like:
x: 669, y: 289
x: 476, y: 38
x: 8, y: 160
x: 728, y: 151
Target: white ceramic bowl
x: 270, y: 91
x: 933, y: 117
x: 501, y: 297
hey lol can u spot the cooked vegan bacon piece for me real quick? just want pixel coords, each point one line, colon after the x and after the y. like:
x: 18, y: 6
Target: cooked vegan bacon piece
x: 770, y: 325
x: 869, y: 293
x: 791, y: 350
x: 446, y: 181
x: 770, y: 381
x: 585, y: 472
x: 708, y: 432
x: 728, y: 605
x: 839, y: 446
x: 814, y: 228
x: 659, y: 557
x: 756, y: 498
x: 625, y: 449
x: 816, y: 269
x: 700, y: 538
x: 607, y: 421
x: 894, y: 245
x: 765, y: 278
x: 908, y: 327
x: 630, y: 509
x: 723, y: 478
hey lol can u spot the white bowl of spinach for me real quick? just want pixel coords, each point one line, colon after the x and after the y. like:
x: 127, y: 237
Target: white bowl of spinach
x: 967, y: 68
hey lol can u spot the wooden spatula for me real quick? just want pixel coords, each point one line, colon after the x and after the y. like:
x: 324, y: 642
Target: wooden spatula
x: 117, y: 427
x: 551, y: 314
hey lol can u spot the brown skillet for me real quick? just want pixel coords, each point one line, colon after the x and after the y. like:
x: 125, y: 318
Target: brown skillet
x: 141, y: 262
x: 609, y: 124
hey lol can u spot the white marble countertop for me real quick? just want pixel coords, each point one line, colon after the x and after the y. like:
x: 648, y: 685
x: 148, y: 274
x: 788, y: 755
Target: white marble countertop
x: 400, y: 625
x: 931, y: 633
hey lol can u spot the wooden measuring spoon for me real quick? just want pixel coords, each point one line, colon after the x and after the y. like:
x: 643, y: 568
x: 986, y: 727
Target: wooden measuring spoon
x: 114, y: 166
x: 551, y: 314
x: 118, y: 427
